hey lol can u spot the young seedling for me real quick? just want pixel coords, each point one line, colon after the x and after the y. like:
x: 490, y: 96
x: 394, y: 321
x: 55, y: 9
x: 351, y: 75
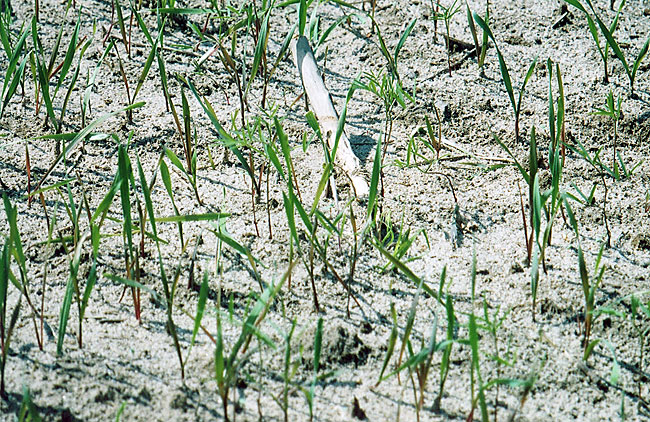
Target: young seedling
x: 228, y: 363
x: 288, y: 371
x: 602, y: 50
x: 16, y: 68
x: 516, y: 106
x: 388, y: 88
x: 608, y: 34
x: 6, y: 326
x: 419, y: 363
x: 613, y: 111
x: 602, y: 170
x: 482, y: 47
x: 16, y: 249
x: 589, y: 284
x: 446, y: 15
x: 73, y: 289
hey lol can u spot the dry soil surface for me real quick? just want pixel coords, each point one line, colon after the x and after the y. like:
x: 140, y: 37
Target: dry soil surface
x: 464, y: 203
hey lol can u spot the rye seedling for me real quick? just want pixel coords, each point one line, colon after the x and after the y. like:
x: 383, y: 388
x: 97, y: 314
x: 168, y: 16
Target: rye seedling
x: 446, y: 15
x: 608, y: 34
x: 478, y: 386
x: 602, y: 50
x: 16, y: 67
x: 15, y: 248
x: 516, y: 106
x: 28, y: 411
x: 602, y: 170
x: 589, y: 284
x: 227, y: 139
x: 73, y: 289
x: 418, y: 363
x: 289, y: 369
x: 612, y: 110
x: 388, y: 88
x: 228, y: 363
x: 6, y: 326
x: 481, y: 49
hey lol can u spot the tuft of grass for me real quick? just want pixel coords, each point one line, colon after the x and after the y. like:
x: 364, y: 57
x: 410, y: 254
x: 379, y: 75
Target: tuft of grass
x: 6, y: 325
x: 630, y: 71
x: 593, y: 29
x: 590, y: 285
x: 446, y: 15
x: 516, y: 105
x: 28, y: 411
x: 612, y: 110
x: 16, y: 66
x: 228, y: 363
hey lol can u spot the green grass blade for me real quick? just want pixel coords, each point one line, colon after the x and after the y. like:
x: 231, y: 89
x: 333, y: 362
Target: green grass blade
x: 327, y: 172
x: 302, y: 17
x: 81, y: 135
x: 407, y: 272
x: 69, y: 55
x: 639, y: 58
x: 260, y: 49
x: 521, y: 169
x: 502, y: 64
x: 230, y: 142
x: 200, y: 307
x: 374, y: 180
x: 211, y: 216
x: 531, y: 69
x: 291, y: 220
x: 131, y: 283
x: 402, y: 40
x: 614, y: 45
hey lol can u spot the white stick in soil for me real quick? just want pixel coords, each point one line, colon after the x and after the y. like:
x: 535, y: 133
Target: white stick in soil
x: 321, y: 103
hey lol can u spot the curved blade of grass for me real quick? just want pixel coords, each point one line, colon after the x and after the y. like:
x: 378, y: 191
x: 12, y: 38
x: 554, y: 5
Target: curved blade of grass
x: 523, y: 171
x: 131, y: 283
x: 302, y: 17
x: 612, y: 42
x: 69, y: 55
x: 329, y: 30
x: 291, y: 221
x: 164, y: 173
x: 147, y: 64
x: 120, y: 21
x: 327, y: 172
x: 402, y: 40
x: 260, y: 49
x: 531, y: 69
x: 639, y: 58
x: 168, y: 293
x: 64, y: 314
x: 7, y: 94
x: 229, y: 140
x: 502, y: 64
x: 82, y: 135
x: 91, y: 82
x: 374, y: 180
x: 103, y: 206
x: 124, y: 167
x: 200, y: 307
x: 192, y: 217
x: 407, y: 272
